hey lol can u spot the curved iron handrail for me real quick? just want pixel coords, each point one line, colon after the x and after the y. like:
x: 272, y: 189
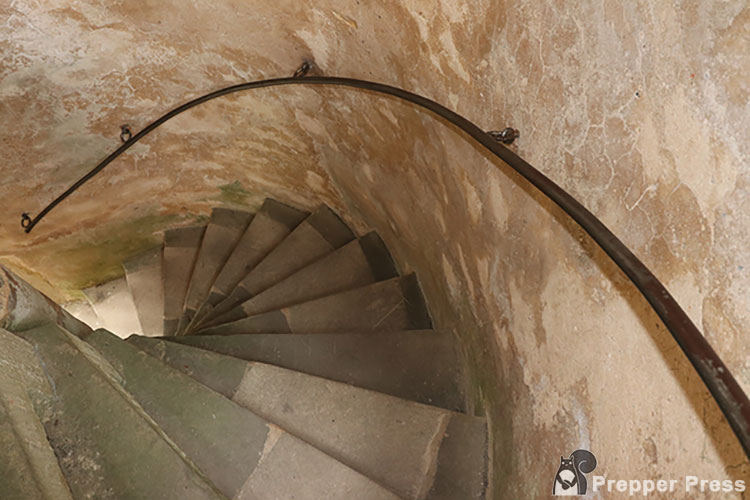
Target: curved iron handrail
x: 723, y: 386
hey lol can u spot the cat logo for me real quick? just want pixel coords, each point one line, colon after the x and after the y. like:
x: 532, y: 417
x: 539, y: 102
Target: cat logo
x: 570, y: 480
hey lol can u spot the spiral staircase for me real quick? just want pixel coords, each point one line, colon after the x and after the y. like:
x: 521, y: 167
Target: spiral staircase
x: 283, y: 357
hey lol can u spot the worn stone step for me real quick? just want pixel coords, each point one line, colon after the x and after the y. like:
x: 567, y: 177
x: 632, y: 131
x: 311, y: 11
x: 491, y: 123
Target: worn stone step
x: 181, y: 247
x: 106, y: 444
x: 222, y: 234
x: 143, y: 274
x: 401, y: 444
x: 28, y: 468
x: 356, y: 264
x: 395, y: 304
x: 114, y: 307
x: 23, y: 307
x: 82, y: 310
x: 272, y: 224
x: 422, y: 366
x: 318, y: 235
x: 237, y: 449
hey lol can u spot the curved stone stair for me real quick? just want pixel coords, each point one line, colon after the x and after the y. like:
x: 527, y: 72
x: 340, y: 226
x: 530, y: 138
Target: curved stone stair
x: 180, y: 251
x: 28, y: 468
x: 358, y: 263
x: 292, y: 361
x: 143, y: 274
x: 420, y: 365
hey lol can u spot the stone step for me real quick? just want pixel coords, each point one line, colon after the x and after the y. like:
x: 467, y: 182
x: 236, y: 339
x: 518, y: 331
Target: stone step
x: 222, y: 234
x: 82, y: 310
x: 181, y: 247
x: 356, y: 264
x: 244, y: 455
x: 23, y: 307
x: 422, y: 366
x: 114, y: 307
x: 318, y: 235
x: 106, y: 444
x: 271, y: 225
x: 394, y: 304
x: 399, y: 443
x: 28, y: 468
x: 143, y: 274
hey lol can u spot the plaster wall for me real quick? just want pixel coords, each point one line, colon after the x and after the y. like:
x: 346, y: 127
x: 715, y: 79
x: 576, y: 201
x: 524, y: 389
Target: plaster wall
x: 639, y: 109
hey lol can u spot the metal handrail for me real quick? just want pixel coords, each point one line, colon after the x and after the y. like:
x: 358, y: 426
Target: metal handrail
x: 722, y: 385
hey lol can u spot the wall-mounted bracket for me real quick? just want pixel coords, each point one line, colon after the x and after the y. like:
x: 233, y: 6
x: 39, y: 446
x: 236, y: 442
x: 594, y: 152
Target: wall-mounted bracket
x: 303, y: 70
x: 506, y: 136
x: 125, y: 133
